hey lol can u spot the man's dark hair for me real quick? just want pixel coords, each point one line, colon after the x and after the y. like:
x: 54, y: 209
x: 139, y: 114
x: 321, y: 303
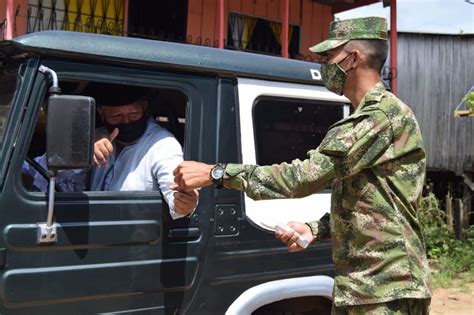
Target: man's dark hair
x: 376, y: 51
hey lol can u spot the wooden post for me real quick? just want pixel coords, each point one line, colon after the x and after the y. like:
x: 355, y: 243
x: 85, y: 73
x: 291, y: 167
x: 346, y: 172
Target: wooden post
x: 467, y: 204
x: 9, y: 16
x: 125, y: 17
x: 393, y: 46
x: 284, y: 28
x: 220, y: 16
x: 449, y: 210
x: 458, y: 217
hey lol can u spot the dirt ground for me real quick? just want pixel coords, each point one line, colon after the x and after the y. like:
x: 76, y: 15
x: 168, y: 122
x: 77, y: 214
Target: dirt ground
x: 453, y: 301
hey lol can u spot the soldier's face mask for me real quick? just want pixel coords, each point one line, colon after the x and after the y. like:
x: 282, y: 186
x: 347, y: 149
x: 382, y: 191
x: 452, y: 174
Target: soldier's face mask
x: 334, y: 76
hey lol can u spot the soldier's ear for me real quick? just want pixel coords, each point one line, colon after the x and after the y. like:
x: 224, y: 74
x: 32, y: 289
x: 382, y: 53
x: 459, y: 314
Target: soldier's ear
x: 356, y: 58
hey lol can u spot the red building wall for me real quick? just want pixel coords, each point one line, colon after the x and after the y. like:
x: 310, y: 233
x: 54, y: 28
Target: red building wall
x: 312, y: 17
x: 22, y: 7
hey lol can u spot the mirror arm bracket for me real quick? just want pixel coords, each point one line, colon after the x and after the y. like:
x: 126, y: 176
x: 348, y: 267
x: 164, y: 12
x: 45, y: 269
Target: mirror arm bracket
x: 54, y: 89
x: 47, y: 232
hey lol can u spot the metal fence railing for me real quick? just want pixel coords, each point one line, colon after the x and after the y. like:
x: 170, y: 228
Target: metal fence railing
x: 103, y: 17
x: 93, y: 16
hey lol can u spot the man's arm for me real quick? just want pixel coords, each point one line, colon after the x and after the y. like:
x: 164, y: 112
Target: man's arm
x: 286, y: 180
x: 181, y: 203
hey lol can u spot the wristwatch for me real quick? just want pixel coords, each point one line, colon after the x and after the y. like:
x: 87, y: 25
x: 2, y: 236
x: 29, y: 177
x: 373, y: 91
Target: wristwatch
x: 217, y: 175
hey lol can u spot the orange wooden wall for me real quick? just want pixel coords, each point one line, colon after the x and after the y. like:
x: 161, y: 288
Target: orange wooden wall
x: 22, y: 5
x: 21, y: 18
x: 3, y: 8
x: 313, y: 18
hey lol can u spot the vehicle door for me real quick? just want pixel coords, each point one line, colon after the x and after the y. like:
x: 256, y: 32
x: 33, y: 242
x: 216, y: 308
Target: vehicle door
x: 273, y: 122
x: 115, y: 251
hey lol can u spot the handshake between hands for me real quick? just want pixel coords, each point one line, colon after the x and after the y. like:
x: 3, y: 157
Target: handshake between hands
x: 191, y: 175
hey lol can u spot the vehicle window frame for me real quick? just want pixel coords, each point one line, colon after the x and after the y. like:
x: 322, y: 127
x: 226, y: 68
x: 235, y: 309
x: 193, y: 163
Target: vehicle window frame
x: 71, y: 70
x: 290, y: 100
x: 265, y: 213
x: 8, y: 107
x: 28, y: 69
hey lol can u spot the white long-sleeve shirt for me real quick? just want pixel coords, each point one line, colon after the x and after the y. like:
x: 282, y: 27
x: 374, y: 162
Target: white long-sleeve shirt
x: 146, y: 165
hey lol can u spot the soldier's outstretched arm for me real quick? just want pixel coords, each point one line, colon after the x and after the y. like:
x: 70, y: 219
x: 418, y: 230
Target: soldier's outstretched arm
x: 286, y: 180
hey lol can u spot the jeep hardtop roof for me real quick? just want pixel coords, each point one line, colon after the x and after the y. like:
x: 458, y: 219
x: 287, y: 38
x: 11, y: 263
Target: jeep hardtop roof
x: 107, y: 48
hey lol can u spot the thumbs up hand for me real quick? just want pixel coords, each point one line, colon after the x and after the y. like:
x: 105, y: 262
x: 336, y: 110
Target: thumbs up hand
x: 103, y: 148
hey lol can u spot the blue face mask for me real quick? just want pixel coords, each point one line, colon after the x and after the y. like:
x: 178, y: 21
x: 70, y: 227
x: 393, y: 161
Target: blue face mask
x: 130, y: 132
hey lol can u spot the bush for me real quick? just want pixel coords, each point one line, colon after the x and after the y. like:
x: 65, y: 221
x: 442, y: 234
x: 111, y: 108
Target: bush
x: 451, y: 259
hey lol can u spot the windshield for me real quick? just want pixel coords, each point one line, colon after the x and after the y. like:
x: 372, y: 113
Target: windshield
x: 9, y: 80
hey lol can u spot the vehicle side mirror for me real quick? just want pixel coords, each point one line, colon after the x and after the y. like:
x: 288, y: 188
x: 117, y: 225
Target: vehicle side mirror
x: 70, y: 131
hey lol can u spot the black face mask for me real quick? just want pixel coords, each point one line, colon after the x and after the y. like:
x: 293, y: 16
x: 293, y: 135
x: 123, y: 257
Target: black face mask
x: 129, y: 132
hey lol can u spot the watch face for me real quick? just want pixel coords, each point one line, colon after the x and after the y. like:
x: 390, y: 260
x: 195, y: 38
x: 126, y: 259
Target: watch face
x: 217, y: 172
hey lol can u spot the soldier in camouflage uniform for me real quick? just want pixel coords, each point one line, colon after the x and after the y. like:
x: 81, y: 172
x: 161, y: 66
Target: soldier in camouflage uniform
x: 375, y: 160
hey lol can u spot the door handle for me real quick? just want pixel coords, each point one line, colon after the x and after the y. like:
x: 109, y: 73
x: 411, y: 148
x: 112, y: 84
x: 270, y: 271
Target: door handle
x: 184, y: 234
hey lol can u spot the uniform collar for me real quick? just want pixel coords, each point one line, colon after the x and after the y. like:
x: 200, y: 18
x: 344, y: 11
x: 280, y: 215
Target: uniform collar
x: 373, y: 96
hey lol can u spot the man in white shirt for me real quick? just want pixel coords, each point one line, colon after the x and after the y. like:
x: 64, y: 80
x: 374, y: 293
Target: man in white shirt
x: 134, y: 153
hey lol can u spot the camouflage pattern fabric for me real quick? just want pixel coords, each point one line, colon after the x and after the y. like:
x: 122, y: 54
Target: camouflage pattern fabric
x: 334, y: 77
x: 321, y: 229
x: 396, y: 307
x: 376, y: 162
x: 340, y: 32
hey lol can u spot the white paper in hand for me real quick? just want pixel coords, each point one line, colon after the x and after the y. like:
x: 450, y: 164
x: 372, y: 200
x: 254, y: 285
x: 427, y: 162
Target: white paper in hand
x: 301, y: 241
x: 280, y: 226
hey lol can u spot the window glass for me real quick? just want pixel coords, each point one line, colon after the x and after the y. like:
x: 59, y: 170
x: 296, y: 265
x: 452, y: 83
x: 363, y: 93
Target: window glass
x: 260, y: 35
x: 156, y: 113
x: 286, y: 129
x: 9, y: 80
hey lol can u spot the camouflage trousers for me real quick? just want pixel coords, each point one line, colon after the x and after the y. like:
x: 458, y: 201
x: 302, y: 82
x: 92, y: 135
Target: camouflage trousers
x: 396, y: 307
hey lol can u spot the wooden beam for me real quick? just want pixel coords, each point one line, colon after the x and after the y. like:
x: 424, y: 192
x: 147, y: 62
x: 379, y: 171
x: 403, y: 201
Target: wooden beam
x: 220, y: 23
x: 10, y: 19
x: 285, y: 17
x: 393, y: 47
x: 125, y: 17
x: 339, y: 7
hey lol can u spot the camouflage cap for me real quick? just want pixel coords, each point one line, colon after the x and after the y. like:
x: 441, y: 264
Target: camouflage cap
x: 340, y: 32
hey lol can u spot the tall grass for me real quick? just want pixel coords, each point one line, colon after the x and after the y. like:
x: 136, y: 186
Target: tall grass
x: 452, y: 261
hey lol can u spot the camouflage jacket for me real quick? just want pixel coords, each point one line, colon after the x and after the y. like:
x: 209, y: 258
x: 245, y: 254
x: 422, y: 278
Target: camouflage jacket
x: 375, y: 161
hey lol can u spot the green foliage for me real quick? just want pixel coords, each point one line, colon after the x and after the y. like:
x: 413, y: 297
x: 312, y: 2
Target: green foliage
x: 438, y: 235
x: 469, y: 100
x: 452, y: 259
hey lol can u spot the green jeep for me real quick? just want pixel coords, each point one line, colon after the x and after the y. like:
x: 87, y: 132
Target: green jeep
x: 90, y: 252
